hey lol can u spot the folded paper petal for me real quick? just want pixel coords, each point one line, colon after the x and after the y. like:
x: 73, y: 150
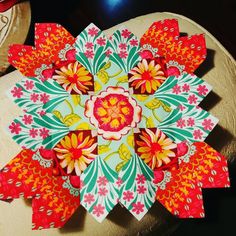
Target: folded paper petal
x: 199, y: 164
x: 35, y: 131
x: 29, y: 175
x: 28, y: 60
x: 21, y: 176
x: 183, y: 90
x: 92, y: 49
x: 98, y: 192
x: 183, y: 54
x: 137, y: 190
x: 52, y: 44
x: 188, y: 123
x: 55, y: 41
x: 124, y: 49
x: 35, y: 95
x: 56, y: 203
x: 211, y: 166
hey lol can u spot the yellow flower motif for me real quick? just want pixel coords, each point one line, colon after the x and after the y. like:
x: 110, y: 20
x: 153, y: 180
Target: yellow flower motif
x: 76, y: 151
x: 146, y: 77
x: 155, y: 148
x: 74, y: 78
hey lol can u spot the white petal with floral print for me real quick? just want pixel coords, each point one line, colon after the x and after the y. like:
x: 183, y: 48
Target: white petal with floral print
x: 98, y: 193
x: 92, y: 48
x: 137, y: 192
x: 125, y: 49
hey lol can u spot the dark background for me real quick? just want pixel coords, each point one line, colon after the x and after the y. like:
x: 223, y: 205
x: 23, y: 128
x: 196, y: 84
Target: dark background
x: 218, y: 17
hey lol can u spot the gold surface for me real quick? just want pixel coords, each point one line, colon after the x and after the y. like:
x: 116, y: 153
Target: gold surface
x: 219, y: 70
x: 14, y: 26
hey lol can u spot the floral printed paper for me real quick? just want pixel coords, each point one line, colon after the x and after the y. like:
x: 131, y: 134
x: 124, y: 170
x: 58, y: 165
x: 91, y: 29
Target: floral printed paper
x: 110, y: 120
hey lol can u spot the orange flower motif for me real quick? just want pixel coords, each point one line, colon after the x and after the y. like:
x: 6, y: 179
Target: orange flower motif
x: 113, y: 112
x: 147, y: 76
x: 74, y: 78
x: 76, y: 151
x: 155, y: 148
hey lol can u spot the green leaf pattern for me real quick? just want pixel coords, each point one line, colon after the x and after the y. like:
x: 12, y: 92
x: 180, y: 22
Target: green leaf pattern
x: 182, y: 90
x: 91, y: 47
x: 137, y: 192
x: 125, y: 49
x: 98, y: 193
x: 190, y: 123
x: 33, y: 131
x: 37, y: 95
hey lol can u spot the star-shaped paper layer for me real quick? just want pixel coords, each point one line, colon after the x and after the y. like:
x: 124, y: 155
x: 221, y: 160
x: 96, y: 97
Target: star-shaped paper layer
x: 110, y: 120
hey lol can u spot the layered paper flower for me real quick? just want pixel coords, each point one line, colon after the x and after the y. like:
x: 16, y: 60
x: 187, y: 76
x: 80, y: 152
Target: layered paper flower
x: 111, y: 120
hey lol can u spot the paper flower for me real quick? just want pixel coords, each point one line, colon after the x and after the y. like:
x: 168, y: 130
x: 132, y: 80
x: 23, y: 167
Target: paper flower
x: 111, y: 120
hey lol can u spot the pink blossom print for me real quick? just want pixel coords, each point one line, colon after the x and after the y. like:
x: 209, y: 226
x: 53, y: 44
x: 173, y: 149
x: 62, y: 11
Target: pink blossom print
x: 34, y: 97
x: 89, y: 45
x: 176, y: 89
x: 27, y: 119
x: 108, y: 52
x: 102, y: 191
x: 89, y: 198
x: 44, y: 98
x: 202, y: 90
x: 33, y: 133
x: 181, y: 123
x: 138, y: 208
x: 119, y: 182
x: 197, y: 134
x: 192, y: 99
x: 123, y: 46
x: 190, y: 122
x: 140, y: 179
x: 133, y: 42
x: 141, y: 189
x: 42, y: 113
x: 98, y: 210
x: 186, y: 88
x: 128, y: 196
x: 29, y: 85
x: 101, y: 41
x: 181, y: 107
x: 126, y: 33
x: 17, y: 92
x: 207, y: 124
x: 15, y: 128
x: 123, y: 54
x: 93, y: 31
x: 102, y: 181
x: 89, y: 54
x: 44, y: 133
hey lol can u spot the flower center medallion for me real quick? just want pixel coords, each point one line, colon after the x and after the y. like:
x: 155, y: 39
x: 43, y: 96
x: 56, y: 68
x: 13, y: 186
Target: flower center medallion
x: 114, y: 112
